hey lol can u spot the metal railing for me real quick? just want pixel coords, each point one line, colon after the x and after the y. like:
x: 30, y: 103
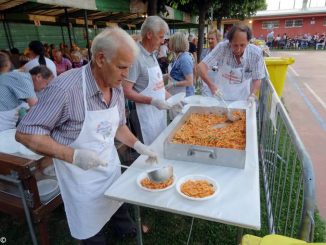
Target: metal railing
x: 286, y: 169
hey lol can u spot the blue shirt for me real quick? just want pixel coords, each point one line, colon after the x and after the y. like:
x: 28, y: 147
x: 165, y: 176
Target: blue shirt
x: 182, y: 67
x: 15, y: 88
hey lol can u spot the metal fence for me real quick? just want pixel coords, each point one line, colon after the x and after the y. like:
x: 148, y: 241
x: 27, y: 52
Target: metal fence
x: 286, y: 170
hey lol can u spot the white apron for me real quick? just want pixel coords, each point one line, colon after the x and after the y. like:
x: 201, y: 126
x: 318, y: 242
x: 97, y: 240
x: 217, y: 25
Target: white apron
x: 152, y: 120
x: 205, y: 89
x: 87, y: 209
x: 8, y: 119
x: 233, y: 82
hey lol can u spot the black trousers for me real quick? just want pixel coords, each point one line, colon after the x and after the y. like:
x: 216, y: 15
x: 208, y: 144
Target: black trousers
x: 122, y: 224
x: 133, y: 121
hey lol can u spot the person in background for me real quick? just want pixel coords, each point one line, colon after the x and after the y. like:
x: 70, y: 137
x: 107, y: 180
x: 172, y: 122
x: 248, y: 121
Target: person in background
x: 193, y: 41
x: 240, y: 66
x: 87, y: 113
x: 17, y: 90
x: 37, y: 55
x: 214, y: 37
x: 270, y: 39
x: 181, y: 74
x: 77, y: 59
x: 14, y: 57
x: 46, y: 50
x: 163, y: 56
x: 62, y: 64
x: 145, y: 86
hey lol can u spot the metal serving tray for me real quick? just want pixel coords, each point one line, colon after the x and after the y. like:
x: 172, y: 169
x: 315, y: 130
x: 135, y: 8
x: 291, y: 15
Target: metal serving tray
x: 205, y: 154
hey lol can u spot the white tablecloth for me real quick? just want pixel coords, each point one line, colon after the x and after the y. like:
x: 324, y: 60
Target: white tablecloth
x: 236, y: 203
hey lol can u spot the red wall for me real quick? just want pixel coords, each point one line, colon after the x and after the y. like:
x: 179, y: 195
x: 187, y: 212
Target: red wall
x: 293, y: 31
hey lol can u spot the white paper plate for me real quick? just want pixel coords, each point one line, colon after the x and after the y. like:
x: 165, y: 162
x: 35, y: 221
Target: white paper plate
x: 197, y: 177
x: 49, y: 170
x: 239, y: 104
x: 193, y: 99
x: 46, y: 188
x: 144, y: 175
x: 210, y: 101
x: 175, y: 99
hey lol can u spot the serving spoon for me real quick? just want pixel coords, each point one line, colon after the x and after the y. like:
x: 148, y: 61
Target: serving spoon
x: 156, y: 175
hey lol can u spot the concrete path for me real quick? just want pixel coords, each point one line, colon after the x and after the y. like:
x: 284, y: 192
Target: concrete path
x: 304, y: 97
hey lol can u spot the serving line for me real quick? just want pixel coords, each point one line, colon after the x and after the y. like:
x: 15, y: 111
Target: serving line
x: 237, y: 202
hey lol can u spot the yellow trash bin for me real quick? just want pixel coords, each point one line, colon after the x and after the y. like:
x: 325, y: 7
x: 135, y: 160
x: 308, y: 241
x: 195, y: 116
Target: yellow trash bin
x: 277, y: 68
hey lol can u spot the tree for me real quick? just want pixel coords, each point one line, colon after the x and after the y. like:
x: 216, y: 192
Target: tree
x: 239, y: 9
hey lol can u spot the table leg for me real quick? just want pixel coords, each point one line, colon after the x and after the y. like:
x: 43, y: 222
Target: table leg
x: 139, y: 226
x: 43, y: 232
x: 239, y: 235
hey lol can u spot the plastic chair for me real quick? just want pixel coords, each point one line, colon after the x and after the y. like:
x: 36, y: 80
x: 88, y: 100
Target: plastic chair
x: 272, y: 239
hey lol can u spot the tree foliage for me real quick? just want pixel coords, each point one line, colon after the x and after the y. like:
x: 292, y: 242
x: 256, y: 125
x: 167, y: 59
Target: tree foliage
x: 238, y: 9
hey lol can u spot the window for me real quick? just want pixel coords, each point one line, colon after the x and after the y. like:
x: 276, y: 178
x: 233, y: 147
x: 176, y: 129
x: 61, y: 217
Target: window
x: 270, y: 24
x: 293, y: 23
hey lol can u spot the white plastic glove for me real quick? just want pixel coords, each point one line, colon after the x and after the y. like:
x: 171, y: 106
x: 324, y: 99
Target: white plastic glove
x: 218, y: 94
x: 160, y: 104
x: 145, y: 150
x: 87, y: 159
x: 169, y: 85
x: 252, y: 98
x: 177, y: 107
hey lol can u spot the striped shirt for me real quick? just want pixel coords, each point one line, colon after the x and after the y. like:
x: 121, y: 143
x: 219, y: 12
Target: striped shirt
x: 60, y: 110
x: 252, y: 59
x: 15, y: 88
x: 138, y: 72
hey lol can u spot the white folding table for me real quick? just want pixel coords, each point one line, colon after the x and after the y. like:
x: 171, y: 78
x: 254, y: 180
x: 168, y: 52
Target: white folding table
x: 237, y: 202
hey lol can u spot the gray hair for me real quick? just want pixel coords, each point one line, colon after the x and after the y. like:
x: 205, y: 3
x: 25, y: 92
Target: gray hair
x: 110, y: 40
x: 178, y: 42
x: 239, y: 28
x: 45, y: 72
x: 153, y: 24
x: 191, y: 37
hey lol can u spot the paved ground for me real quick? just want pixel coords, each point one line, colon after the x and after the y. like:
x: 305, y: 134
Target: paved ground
x: 305, y: 99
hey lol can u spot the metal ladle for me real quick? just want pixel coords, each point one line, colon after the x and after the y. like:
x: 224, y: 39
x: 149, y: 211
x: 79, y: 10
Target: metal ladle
x: 231, y: 118
x: 157, y: 175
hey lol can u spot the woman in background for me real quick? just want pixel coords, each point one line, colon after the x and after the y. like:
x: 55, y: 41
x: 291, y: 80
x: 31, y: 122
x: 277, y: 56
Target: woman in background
x: 181, y: 74
x: 214, y: 37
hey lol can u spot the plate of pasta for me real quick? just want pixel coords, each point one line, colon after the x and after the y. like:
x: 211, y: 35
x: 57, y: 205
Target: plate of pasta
x: 146, y: 184
x: 197, y: 187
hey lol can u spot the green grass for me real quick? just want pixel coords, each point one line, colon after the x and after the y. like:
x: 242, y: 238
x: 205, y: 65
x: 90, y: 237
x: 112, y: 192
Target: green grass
x: 166, y: 228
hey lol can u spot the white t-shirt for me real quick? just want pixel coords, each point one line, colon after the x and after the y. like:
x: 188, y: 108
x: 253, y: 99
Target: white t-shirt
x: 163, y: 51
x: 34, y: 62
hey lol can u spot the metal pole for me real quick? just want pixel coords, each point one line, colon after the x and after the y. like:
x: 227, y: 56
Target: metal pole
x: 68, y: 27
x: 26, y: 210
x: 6, y: 33
x: 62, y: 34
x: 9, y: 35
x: 87, y: 38
x: 139, y: 226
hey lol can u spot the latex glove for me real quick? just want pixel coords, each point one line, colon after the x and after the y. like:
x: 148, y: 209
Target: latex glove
x: 160, y: 104
x: 252, y: 98
x: 177, y: 107
x: 169, y: 85
x: 87, y: 159
x: 145, y: 150
x: 218, y: 94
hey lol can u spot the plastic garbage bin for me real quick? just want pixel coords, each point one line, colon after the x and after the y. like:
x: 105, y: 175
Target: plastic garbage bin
x: 277, y: 68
